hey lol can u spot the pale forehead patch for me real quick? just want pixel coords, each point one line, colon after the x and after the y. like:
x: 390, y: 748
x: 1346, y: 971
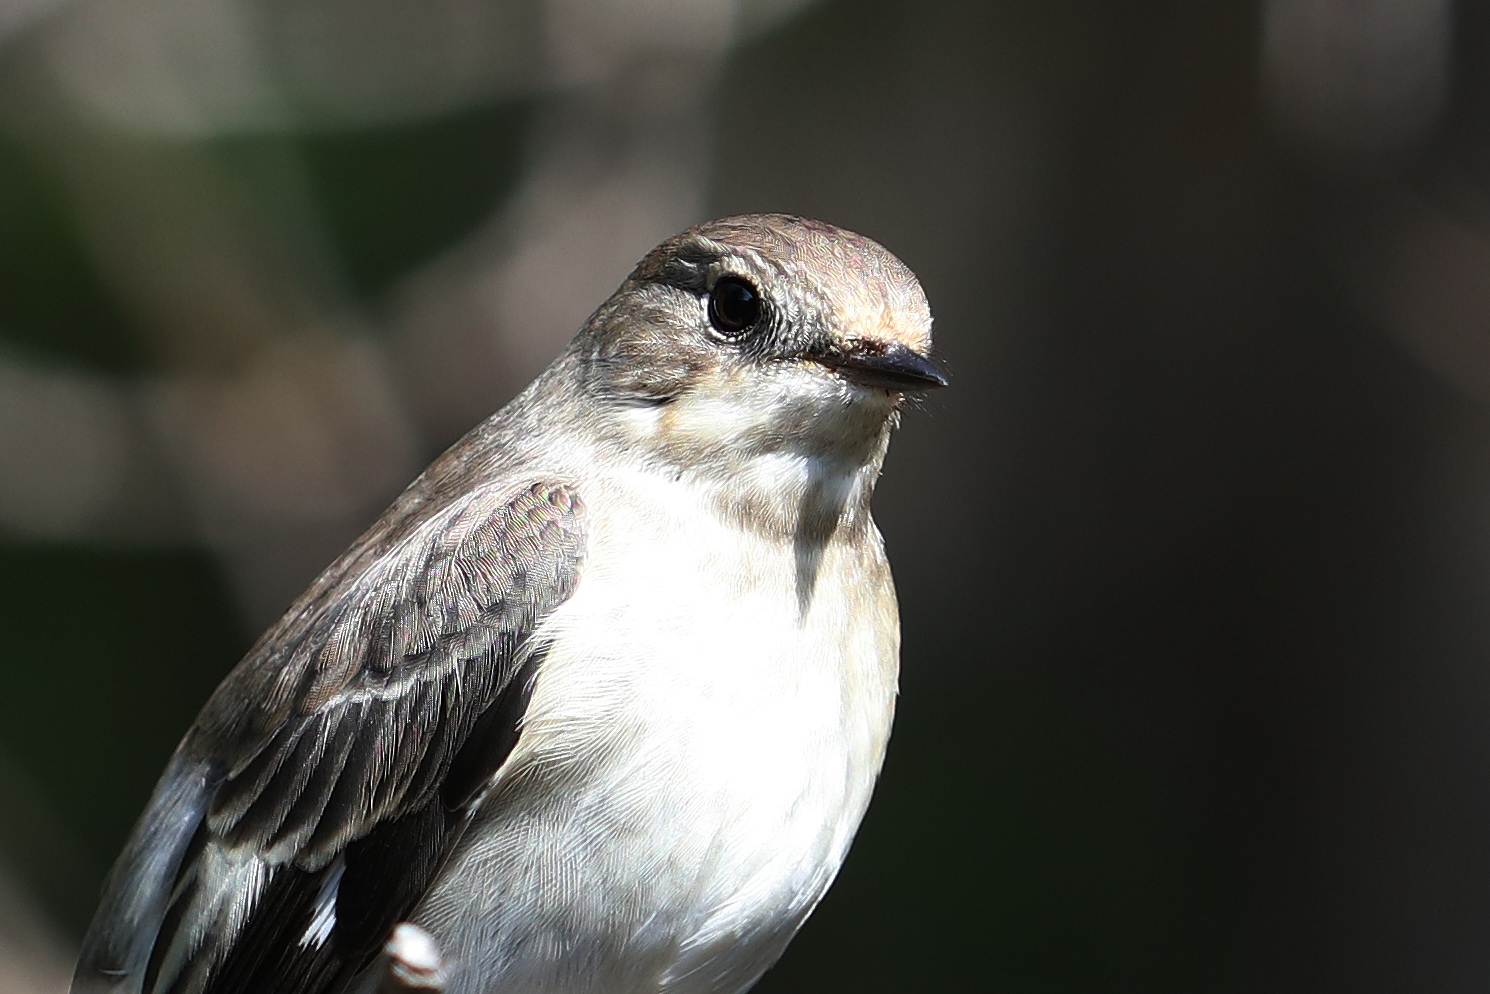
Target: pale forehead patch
x: 875, y: 296
x: 885, y: 311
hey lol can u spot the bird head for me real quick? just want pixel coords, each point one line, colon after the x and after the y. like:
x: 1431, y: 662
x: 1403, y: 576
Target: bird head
x: 761, y: 335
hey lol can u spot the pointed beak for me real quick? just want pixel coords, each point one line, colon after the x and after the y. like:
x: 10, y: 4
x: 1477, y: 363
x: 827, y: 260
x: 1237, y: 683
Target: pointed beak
x: 885, y: 367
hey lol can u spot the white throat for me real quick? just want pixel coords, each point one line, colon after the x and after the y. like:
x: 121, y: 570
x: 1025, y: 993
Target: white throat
x: 783, y: 460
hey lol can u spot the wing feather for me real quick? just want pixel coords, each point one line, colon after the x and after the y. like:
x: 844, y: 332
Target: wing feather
x: 321, y: 764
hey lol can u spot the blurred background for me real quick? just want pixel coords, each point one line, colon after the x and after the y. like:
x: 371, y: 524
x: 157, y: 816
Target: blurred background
x: 1194, y: 558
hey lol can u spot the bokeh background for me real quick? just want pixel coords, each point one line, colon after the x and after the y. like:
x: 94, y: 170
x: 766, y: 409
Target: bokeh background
x: 1194, y: 558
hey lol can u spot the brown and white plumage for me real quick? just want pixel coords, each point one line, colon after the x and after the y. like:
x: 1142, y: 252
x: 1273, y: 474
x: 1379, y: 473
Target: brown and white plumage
x: 600, y: 700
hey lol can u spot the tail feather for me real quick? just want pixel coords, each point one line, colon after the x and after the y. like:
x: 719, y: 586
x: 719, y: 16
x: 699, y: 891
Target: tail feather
x: 138, y: 891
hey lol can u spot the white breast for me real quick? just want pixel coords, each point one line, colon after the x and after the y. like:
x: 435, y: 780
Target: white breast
x: 698, y: 750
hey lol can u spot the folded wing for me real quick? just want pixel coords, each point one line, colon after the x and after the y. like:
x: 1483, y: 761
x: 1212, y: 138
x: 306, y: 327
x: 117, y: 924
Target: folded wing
x: 318, y: 792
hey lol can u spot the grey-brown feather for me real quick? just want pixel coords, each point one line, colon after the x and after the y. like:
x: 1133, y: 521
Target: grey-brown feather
x: 383, y: 671
x: 348, y: 714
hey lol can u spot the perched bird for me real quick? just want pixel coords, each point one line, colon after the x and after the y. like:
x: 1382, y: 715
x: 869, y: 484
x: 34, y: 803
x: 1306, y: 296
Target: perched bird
x: 598, y: 703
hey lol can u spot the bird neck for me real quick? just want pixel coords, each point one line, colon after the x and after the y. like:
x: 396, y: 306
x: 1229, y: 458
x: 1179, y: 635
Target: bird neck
x: 789, y: 462
x: 808, y: 470
x: 794, y: 493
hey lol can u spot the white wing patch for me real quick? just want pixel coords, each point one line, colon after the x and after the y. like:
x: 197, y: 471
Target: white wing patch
x: 324, y: 919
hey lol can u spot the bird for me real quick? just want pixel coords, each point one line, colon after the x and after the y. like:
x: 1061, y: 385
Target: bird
x: 597, y: 705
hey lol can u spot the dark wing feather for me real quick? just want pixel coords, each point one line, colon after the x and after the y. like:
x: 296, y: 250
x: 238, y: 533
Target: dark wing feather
x: 321, y: 786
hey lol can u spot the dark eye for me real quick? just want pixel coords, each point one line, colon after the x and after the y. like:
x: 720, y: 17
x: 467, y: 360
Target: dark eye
x: 734, y: 306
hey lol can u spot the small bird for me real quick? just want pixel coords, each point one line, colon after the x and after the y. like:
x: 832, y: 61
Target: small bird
x: 597, y: 705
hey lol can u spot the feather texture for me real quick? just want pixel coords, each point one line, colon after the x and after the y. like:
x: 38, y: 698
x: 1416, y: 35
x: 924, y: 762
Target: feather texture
x: 309, y: 805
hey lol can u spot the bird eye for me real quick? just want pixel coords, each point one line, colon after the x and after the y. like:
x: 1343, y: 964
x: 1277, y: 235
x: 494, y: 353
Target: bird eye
x: 734, y: 306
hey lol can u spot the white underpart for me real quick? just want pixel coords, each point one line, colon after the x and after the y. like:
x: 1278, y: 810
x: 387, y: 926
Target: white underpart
x: 707, y: 737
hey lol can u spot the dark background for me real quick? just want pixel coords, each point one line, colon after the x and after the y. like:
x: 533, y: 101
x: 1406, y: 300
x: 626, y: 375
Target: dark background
x: 1194, y: 558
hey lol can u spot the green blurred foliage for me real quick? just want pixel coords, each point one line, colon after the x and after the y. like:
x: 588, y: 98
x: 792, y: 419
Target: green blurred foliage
x: 395, y: 197
x: 107, y: 656
x: 53, y: 302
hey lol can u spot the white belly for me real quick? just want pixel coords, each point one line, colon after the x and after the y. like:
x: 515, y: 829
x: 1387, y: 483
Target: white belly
x: 697, y: 753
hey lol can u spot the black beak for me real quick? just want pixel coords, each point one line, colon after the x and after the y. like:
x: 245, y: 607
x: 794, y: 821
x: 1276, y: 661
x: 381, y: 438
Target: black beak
x: 886, y: 367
